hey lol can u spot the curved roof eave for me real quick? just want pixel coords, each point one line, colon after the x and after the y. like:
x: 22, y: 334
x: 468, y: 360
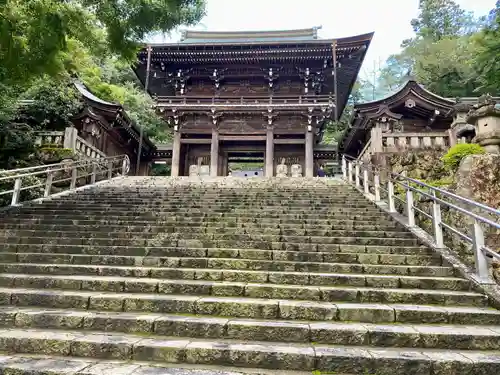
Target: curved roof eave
x: 88, y: 95
x: 402, y: 92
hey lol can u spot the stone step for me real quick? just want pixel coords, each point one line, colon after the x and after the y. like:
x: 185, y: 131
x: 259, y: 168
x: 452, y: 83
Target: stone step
x: 249, y: 308
x: 252, y: 290
x: 259, y: 276
x: 30, y: 364
x: 189, y: 270
x: 237, y: 234
x: 251, y: 255
x: 439, y: 336
x: 365, y: 253
x: 242, y: 241
x: 257, y: 354
x: 199, y: 221
x: 214, y: 215
x: 211, y: 227
x: 196, y: 200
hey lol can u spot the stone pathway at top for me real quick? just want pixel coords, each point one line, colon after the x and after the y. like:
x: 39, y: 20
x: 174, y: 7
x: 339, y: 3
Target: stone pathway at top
x: 231, y: 276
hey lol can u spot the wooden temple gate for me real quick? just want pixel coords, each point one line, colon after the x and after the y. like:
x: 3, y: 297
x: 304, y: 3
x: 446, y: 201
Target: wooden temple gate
x: 267, y: 94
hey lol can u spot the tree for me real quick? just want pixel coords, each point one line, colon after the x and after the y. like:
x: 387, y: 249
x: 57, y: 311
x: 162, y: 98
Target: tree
x: 441, y: 55
x: 439, y: 19
x: 487, y: 63
x: 34, y: 34
x: 334, y: 130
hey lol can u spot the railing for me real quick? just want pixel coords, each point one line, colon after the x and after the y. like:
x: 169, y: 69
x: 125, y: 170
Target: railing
x: 248, y: 100
x: 49, y: 138
x: 398, y: 141
x: 69, y: 139
x: 87, y: 150
x: 40, y: 181
x: 368, y: 179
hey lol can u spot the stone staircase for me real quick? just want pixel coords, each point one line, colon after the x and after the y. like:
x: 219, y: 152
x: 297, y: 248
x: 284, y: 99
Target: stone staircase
x: 228, y: 276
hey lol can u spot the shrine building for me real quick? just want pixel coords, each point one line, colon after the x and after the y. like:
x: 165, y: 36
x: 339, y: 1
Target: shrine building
x: 263, y: 95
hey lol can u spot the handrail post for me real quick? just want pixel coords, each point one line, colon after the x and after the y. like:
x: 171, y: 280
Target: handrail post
x: 376, y: 183
x: 436, y: 222
x: 124, y: 167
x: 390, y: 193
x: 17, y: 192
x: 93, y: 176
x: 365, y: 181
x: 480, y: 258
x: 350, y: 180
x: 410, y: 207
x: 74, y: 175
x: 48, y: 183
x: 110, y: 169
x: 344, y: 167
x: 358, y: 183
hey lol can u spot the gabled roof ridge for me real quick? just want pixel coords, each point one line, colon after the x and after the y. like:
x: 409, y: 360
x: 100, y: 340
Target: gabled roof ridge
x: 201, y: 34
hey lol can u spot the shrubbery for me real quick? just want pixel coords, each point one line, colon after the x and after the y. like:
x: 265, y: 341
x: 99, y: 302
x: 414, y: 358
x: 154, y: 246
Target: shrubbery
x: 456, y: 154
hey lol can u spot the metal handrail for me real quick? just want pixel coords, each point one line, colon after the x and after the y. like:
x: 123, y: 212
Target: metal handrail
x: 96, y: 169
x: 436, y: 196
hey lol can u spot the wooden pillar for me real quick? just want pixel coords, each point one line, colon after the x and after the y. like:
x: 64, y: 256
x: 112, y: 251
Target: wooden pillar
x: 270, y: 152
x: 309, y: 154
x: 176, y: 154
x: 214, y: 153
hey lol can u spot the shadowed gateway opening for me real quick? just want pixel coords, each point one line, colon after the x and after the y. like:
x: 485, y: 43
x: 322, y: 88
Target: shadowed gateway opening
x: 246, y: 163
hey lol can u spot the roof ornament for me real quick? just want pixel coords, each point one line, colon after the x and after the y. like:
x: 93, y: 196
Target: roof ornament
x: 410, y: 103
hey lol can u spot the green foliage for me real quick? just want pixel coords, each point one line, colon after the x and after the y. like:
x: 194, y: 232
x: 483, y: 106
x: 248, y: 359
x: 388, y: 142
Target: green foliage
x: 440, y: 19
x: 487, y: 63
x: 452, y: 53
x: 44, y: 44
x: 34, y: 34
x: 458, y: 152
x: 335, y: 130
x: 17, y: 145
x: 54, y: 103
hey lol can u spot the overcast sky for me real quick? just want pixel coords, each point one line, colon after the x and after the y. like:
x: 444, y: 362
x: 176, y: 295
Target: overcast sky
x: 390, y: 19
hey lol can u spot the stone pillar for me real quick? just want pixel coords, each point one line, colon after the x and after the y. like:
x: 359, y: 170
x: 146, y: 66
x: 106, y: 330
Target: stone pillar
x: 270, y: 152
x: 214, y: 153
x: 309, y: 154
x: 176, y: 154
x: 486, y: 117
x: 376, y: 139
x: 70, y: 134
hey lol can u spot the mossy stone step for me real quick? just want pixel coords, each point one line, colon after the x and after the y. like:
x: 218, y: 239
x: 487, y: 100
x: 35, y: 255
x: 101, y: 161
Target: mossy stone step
x: 251, y: 255
x: 263, y: 242
x: 199, y: 221
x: 301, y: 230
x: 216, y: 273
x: 254, y: 308
x: 257, y: 354
x: 238, y: 234
x: 208, y: 327
x: 364, y: 252
x: 247, y: 290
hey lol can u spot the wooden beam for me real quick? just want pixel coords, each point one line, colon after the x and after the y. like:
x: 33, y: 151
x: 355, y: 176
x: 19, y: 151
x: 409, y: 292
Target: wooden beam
x: 197, y: 141
x: 286, y: 141
x: 242, y: 138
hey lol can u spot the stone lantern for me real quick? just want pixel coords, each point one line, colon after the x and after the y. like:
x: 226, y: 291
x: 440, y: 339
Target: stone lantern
x: 486, y: 117
x: 461, y: 130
